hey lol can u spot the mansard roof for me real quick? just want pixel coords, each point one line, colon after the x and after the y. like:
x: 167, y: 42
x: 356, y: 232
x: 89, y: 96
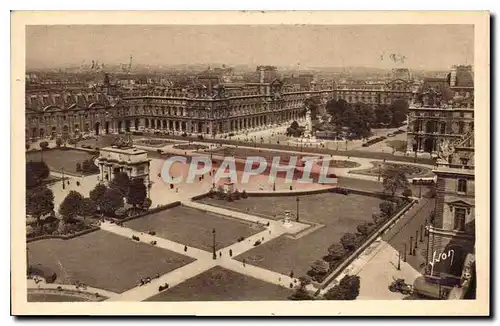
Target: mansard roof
x: 61, y: 101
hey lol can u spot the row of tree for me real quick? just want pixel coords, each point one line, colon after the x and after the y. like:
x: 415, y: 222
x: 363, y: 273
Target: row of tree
x: 359, y: 118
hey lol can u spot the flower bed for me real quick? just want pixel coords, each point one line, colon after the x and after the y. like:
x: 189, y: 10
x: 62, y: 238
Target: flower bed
x: 190, y: 147
x: 411, y: 171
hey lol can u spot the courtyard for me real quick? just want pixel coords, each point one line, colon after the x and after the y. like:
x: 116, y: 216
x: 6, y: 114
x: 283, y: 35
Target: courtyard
x: 193, y: 227
x: 103, y: 260
x: 61, y: 159
x: 337, y: 213
x: 220, y: 284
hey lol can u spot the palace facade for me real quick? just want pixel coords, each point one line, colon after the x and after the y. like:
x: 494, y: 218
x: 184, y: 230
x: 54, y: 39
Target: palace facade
x: 212, y: 105
x: 442, y: 109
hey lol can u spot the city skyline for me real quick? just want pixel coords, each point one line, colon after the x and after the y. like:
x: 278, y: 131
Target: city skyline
x: 413, y: 46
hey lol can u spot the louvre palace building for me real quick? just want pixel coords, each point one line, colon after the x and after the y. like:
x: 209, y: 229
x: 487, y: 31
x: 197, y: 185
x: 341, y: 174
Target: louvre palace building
x: 212, y: 105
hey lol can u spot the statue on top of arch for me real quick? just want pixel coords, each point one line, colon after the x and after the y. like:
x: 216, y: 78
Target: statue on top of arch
x: 123, y: 141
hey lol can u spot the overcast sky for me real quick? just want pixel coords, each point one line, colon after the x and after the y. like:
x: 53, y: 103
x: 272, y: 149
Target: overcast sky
x: 424, y: 46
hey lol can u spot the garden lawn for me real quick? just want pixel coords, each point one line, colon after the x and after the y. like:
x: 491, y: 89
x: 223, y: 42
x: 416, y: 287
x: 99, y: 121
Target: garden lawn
x: 103, y: 260
x: 59, y: 159
x: 338, y: 213
x: 193, y: 227
x: 219, y: 284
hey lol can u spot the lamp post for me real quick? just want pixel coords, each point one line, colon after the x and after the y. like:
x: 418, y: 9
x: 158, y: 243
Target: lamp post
x: 214, y: 256
x: 416, y: 240
x: 63, y: 186
x: 421, y: 232
x: 411, y: 245
x: 404, y: 257
x: 399, y: 260
x: 379, y: 167
x: 420, y: 190
x: 297, y: 200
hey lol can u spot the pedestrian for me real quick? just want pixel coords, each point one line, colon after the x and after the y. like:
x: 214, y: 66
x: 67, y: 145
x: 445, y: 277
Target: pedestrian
x: 230, y: 253
x: 176, y: 190
x: 185, y: 248
x: 220, y: 253
x: 262, y: 238
x: 291, y: 274
x: 269, y: 231
x: 244, y: 262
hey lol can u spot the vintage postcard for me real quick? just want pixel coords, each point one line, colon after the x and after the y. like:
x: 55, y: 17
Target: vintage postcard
x: 250, y: 163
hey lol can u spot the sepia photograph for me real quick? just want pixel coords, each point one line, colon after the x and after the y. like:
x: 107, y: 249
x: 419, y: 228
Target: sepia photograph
x: 299, y: 163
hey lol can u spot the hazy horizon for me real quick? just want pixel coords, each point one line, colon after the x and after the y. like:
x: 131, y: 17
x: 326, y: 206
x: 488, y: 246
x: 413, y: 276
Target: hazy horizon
x: 426, y: 47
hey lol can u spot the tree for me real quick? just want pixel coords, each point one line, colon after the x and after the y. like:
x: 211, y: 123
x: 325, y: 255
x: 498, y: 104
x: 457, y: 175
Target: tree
x: 136, y: 192
x: 347, y: 289
x: 393, y: 180
x: 407, y: 193
x: 97, y: 194
x: 387, y: 208
x: 111, y: 201
x: 365, y: 112
x: 71, y: 206
x: 147, y: 203
x: 39, y: 202
x: 36, y: 172
x: 88, y: 207
x: 59, y: 142
x: 383, y: 114
x: 294, y: 125
x: 365, y: 228
x: 399, y: 110
x: 348, y: 241
x: 120, y: 183
x: 397, y: 145
x: 320, y: 267
x: 336, y: 251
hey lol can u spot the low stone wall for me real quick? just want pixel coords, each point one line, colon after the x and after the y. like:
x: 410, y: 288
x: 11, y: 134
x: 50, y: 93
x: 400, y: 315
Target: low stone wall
x: 63, y: 237
x: 356, y: 253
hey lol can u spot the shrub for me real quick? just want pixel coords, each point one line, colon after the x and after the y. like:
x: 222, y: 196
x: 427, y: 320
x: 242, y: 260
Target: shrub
x: 121, y: 212
x: 58, y: 142
x: 348, y: 241
x: 244, y: 194
x: 236, y: 195
x: 230, y: 198
x: 407, y: 193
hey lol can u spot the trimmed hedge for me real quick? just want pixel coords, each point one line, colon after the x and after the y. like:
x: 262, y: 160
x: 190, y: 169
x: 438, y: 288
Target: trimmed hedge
x: 64, y: 237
